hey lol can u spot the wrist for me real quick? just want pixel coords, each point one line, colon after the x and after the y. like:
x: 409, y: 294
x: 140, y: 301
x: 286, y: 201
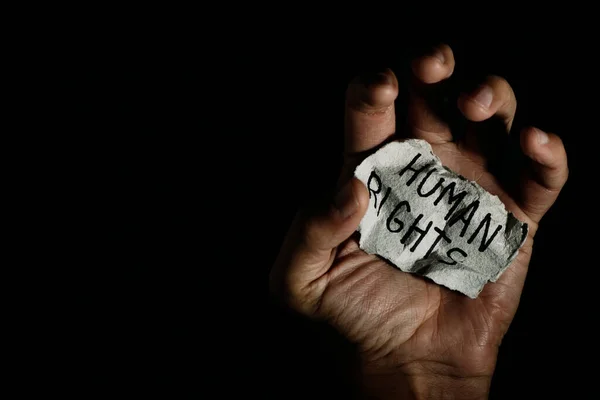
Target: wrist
x: 428, y: 380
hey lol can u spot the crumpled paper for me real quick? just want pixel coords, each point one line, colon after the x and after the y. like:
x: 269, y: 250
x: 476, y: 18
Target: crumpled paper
x: 426, y: 219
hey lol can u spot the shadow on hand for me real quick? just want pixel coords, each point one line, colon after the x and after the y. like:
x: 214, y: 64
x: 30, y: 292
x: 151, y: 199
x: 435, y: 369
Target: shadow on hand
x: 309, y: 359
x: 502, y: 150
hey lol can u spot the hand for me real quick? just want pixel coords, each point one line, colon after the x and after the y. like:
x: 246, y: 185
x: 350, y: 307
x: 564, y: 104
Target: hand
x: 417, y: 339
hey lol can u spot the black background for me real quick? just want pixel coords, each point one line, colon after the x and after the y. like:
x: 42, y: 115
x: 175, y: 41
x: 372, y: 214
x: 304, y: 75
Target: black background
x: 191, y: 156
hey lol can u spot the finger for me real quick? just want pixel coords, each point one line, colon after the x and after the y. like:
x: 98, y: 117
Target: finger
x: 547, y: 173
x: 435, y: 66
x: 370, y: 116
x: 494, y: 97
x: 424, y: 114
x: 309, y: 248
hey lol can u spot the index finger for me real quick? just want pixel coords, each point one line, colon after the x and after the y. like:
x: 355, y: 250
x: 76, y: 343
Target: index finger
x: 426, y: 92
x: 370, y: 117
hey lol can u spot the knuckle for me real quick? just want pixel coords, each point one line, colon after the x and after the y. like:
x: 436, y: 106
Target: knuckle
x: 448, y: 54
x: 372, y: 100
x: 559, y: 141
x: 559, y: 150
x: 498, y: 81
x: 502, y: 88
x: 505, y: 95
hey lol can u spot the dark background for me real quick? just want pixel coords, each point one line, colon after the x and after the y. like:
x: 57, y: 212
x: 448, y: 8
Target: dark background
x: 190, y: 159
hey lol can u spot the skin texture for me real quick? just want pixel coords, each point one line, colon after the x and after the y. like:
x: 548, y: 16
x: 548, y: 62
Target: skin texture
x: 417, y: 339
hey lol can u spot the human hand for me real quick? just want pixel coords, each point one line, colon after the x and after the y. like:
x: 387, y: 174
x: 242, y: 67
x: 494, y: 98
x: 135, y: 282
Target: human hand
x: 417, y: 339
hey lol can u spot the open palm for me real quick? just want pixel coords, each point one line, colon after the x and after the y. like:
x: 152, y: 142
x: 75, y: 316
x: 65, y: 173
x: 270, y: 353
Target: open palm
x: 406, y: 326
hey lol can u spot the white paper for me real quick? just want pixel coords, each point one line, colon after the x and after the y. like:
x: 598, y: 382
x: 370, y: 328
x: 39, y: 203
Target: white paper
x: 428, y: 220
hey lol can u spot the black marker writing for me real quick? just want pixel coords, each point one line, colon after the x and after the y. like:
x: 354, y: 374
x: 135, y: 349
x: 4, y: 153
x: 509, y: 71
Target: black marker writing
x: 462, y: 216
x: 484, y: 244
x: 435, y: 187
x: 416, y: 172
x: 385, y: 197
x: 392, y: 218
x: 452, y: 198
x: 372, y: 177
x: 415, y: 228
x: 441, y: 235
x: 449, y: 254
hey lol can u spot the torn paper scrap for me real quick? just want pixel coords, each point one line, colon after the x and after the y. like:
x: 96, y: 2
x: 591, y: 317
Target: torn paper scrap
x: 428, y: 220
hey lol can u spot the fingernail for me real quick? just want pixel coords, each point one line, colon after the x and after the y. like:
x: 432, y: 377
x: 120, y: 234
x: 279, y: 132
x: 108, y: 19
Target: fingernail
x: 542, y: 137
x: 345, y: 202
x: 484, y: 96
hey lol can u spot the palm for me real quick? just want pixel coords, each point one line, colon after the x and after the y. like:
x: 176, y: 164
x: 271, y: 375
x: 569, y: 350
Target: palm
x: 412, y: 315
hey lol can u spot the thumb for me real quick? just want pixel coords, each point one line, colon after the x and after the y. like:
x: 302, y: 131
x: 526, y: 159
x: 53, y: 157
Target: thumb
x: 310, y: 246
